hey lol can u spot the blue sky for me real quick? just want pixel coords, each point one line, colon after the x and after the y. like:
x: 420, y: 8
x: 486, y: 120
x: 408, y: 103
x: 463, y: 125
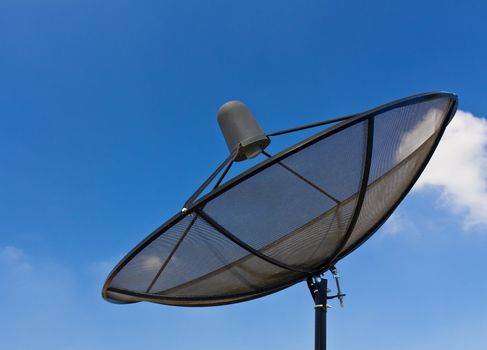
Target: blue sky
x: 108, y: 123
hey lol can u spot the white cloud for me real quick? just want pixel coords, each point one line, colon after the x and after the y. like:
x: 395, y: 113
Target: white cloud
x: 15, y: 259
x: 419, y: 134
x: 397, y: 223
x: 459, y: 168
x: 102, y: 268
x: 40, y: 295
x: 23, y: 273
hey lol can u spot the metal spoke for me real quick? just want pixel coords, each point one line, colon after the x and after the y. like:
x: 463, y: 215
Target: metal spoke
x: 173, y: 251
x: 362, y: 191
x: 244, y: 245
x: 301, y: 177
x: 309, y: 126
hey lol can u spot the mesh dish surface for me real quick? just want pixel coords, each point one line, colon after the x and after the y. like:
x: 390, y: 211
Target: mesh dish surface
x: 291, y: 216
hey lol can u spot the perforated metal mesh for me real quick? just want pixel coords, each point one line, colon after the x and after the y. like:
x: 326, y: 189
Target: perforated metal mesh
x: 290, y: 217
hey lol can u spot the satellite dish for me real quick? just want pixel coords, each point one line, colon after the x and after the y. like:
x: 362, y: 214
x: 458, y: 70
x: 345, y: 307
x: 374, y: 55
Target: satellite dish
x: 291, y: 217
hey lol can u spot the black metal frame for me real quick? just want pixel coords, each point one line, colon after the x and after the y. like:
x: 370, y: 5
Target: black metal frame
x: 363, y: 189
x: 195, y: 208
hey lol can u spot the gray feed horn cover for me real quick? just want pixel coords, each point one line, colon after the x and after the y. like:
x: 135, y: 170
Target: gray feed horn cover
x: 290, y: 217
x: 241, y: 130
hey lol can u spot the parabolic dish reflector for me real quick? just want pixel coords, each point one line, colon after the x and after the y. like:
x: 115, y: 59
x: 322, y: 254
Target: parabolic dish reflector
x: 290, y: 217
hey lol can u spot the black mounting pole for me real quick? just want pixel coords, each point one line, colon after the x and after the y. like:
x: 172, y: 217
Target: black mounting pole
x: 319, y: 291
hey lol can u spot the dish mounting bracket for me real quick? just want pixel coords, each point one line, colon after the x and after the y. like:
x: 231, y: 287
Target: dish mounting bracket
x: 318, y: 286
